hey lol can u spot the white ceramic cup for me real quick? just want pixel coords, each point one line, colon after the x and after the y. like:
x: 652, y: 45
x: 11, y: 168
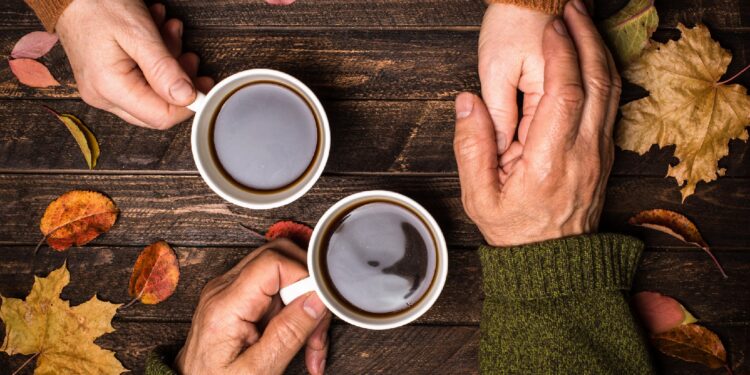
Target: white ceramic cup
x: 315, y: 281
x: 206, y: 105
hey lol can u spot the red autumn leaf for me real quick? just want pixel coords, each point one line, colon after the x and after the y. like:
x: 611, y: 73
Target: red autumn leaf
x: 660, y: 313
x: 76, y: 218
x: 32, y: 73
x: 692, y: 343
x: 155, y: 274
x: 297, y: 232
x: 34, y: 45
x: 675, y: 225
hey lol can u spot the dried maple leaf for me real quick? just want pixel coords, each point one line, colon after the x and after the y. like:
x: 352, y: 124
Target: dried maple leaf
x: 77, y: 217
x: 660, y: 313
x: 34, y: 45
x: 59, y: 336
x: 84, y: 137
x: 297, y: 232
x: 687, y: 106
x: 629, y: 30
x: 692, y: 343
x: 677, y: 226
x: 32, y: 73
x: 155, y: 274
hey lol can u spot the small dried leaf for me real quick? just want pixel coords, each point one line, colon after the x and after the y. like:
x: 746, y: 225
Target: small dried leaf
x: 660, y: 313
x: 297, y: 232
x: 84, y: 137
x: 34, y: 45
x: 629, y: 30
x: 76, y: 218
x: 155, y: 274
x: 675, y: 225
x: 32, y: 73
x: 692, y: 343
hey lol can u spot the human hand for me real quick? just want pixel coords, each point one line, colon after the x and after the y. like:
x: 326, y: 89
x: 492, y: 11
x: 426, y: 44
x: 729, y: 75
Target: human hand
x: 127, y: 60
x: 551, y: 184
x: 241, y: 326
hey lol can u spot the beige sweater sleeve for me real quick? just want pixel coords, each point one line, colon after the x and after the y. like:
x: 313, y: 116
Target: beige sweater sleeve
x: 546, y: 6
x: 48, y: 11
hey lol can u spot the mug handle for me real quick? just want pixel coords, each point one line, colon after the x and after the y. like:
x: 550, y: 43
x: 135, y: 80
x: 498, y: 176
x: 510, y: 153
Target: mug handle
x: 302, y: 287
x: 199, y: 103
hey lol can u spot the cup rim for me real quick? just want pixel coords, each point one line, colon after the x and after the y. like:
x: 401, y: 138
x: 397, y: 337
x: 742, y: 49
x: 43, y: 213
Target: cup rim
x: 441, y: 272
x: 203, y: 162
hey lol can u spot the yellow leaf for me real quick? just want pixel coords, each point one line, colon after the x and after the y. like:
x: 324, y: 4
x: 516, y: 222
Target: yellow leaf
x: 83, y: 136
x: 61, y: 337
x: 687, y: 106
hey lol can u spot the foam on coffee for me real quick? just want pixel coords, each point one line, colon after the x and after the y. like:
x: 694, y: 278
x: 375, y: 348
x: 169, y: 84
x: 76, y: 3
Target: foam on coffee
x: 265, y: 136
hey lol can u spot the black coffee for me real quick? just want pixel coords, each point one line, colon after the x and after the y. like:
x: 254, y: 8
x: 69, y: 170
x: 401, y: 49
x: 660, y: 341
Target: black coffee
x: 265, y: 136
x: 378, y: 258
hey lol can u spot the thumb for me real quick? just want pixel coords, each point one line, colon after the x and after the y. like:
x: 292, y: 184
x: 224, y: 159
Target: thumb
x: 162, y: 71
x: 476, y: 149
x: 284, y: 336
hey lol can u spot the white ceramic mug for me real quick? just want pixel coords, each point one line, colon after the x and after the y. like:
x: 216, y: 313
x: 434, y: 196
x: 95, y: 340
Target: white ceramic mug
x: 206, y: 105
x: 370, y: 321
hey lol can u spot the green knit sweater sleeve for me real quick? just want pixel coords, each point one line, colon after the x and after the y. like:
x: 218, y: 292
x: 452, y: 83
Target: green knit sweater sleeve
x: 559, y: 307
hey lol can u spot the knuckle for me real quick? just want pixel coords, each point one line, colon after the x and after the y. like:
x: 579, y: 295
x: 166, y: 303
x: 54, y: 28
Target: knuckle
x: 570, y: 96
x: 289, y: 333
x: 599, y: 84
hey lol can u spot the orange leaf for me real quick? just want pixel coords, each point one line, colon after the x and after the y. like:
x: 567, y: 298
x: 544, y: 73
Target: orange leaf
x: 692, y: 343
x: 155, y: 274
x: 675, y: 225
x: 76, y: 218
x: 32, y: 73
x: 297, y: 232
x: 660, y: 313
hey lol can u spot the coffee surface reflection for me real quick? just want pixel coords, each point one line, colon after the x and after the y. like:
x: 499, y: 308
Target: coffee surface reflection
x: 379, y: 258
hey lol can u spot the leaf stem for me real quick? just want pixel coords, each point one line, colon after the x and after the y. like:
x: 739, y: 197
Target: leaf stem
x: 253, y: 232
x: 729, y: 369
x: 39, y: 245
x: 25, y: 363
x: 134, y: 300
x: 733, y: 77
x: 716, y: 261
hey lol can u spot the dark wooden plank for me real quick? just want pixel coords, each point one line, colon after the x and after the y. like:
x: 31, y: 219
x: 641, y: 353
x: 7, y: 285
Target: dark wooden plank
x: 340, y: 64
x: 408, y: 350
x: 685, y: 274
x: 387, y: 13
x: 183, y: 210
x: 368, y: 136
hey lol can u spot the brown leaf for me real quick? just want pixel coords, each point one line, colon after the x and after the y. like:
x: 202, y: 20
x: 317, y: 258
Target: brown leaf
x: 687, y: 107
x: 692, y: 343
x: 76, y: 218
x: 34, y: 45
x: 677, y: 226
x: 155, y: 274
x: 660, y: 313
x: 299, y: 233
x: 32, y: 73
x: 84, y: 137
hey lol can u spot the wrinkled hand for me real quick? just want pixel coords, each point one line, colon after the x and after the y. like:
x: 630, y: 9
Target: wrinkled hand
x: 128, y: 60
x: 552, y: 183
x: 241, y: 326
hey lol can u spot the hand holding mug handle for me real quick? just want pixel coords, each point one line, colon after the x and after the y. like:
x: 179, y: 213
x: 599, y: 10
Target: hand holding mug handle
x: 300, y: 288
x: 198, y: 103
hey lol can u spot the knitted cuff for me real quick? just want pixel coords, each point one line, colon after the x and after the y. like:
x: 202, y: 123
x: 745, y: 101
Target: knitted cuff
x: 48, y: 11
x: 546, y: 6
x: 560, y: 267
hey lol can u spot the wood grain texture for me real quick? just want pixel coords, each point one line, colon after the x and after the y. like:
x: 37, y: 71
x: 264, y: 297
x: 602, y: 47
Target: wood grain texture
x: 341, y: 64
x: 184, y: 211
x: 14, y: 14
x: 685, y: 274
x: 410, y: 350
x: 368, y: 136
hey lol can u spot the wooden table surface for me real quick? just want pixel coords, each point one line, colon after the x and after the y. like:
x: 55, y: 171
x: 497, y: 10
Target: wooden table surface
x: 387, y: 72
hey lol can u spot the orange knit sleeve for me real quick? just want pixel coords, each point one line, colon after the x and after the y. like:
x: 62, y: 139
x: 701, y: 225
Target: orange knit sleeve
x: 546, y: 6
x: 48, y: 11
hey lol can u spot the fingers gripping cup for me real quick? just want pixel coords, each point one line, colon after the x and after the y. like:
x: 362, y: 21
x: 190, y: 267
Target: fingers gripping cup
x: 376, y: 259
x: 260, y: 138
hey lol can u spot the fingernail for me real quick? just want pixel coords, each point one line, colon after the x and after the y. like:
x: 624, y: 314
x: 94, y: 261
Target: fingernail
x: 502, y: 142
x: 560, y: 27
x: 182, y: 91
x: 322, y: 367
x: 464, y: 105
x: 314, y: 306
x: 581, y: 7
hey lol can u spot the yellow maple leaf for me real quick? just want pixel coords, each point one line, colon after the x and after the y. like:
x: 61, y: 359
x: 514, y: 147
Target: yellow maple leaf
x: 687, y: 106
x: 60, y: 336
